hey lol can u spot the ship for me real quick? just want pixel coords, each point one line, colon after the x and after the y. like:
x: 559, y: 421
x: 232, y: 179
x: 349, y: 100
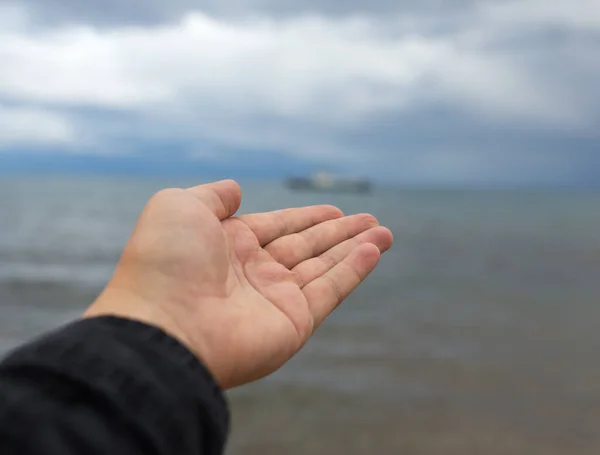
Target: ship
x: 325, y: 182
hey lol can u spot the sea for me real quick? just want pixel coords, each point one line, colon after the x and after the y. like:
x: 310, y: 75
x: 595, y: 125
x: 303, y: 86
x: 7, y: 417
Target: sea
x: 479, y: 332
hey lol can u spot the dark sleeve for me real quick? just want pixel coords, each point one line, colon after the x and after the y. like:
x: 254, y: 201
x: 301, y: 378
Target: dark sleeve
x: 109, y: 386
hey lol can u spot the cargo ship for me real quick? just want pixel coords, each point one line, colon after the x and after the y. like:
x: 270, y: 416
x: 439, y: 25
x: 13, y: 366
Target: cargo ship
x: 326, y: 182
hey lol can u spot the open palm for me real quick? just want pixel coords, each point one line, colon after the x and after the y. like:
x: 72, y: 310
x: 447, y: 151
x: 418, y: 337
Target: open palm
x: 244, y: 293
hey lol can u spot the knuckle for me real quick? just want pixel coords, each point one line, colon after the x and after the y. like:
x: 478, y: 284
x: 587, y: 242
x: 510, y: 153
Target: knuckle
x: 280, y: 252
x: 335, y: 289
x: 297, y: 277
x: 334, y: 210
x: 163, y: 193
x: 328, y: 260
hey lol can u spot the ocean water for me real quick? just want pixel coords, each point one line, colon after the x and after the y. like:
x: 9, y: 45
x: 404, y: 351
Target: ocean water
x: 478, y: 333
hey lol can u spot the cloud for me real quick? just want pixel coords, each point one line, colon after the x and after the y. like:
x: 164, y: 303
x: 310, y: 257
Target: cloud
x: 308, y: 84
x: 511, y: 13
x: 152, y: 12
x: 33, y: 127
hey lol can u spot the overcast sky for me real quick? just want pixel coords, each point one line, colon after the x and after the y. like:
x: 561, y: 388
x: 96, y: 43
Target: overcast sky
x: 420, y: 91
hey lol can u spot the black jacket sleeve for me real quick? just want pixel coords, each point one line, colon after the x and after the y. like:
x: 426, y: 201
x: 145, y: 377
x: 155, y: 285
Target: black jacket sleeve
x: 109, y: 386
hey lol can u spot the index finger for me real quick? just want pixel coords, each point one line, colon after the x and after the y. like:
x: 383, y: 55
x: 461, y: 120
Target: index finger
x: 272, y: 225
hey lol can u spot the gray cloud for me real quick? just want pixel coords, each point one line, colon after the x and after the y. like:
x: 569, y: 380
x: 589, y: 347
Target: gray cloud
x: 449, y: 146
x: 415, y: 91
x: 109, y: 12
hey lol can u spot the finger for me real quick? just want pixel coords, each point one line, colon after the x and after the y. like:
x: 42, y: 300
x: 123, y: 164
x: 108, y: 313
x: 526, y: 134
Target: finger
x: 313, y: 268
x: 270, y: 226
x: 222, y: 198
x: 327, y: 292
x: 291, y: 250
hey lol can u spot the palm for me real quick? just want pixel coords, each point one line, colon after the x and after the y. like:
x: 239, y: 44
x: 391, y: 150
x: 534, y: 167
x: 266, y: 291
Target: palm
x: 245, y: 292
x: 266, y: 284
x: 290, y: 269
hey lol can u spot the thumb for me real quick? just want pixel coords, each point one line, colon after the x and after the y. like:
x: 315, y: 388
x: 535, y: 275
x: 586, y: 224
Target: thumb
x: 223, y: 198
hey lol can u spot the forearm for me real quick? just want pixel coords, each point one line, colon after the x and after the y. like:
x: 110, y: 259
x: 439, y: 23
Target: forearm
x: 109, y: 385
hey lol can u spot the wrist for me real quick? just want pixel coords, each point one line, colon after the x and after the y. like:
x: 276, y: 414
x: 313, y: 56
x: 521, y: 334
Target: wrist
x: 125, y: 304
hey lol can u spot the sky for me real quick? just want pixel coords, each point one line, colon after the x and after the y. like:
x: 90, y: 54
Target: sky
x: 429, y: 91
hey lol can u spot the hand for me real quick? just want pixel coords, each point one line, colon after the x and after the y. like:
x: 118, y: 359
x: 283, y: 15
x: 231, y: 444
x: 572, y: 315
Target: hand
x: 243, y: 293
